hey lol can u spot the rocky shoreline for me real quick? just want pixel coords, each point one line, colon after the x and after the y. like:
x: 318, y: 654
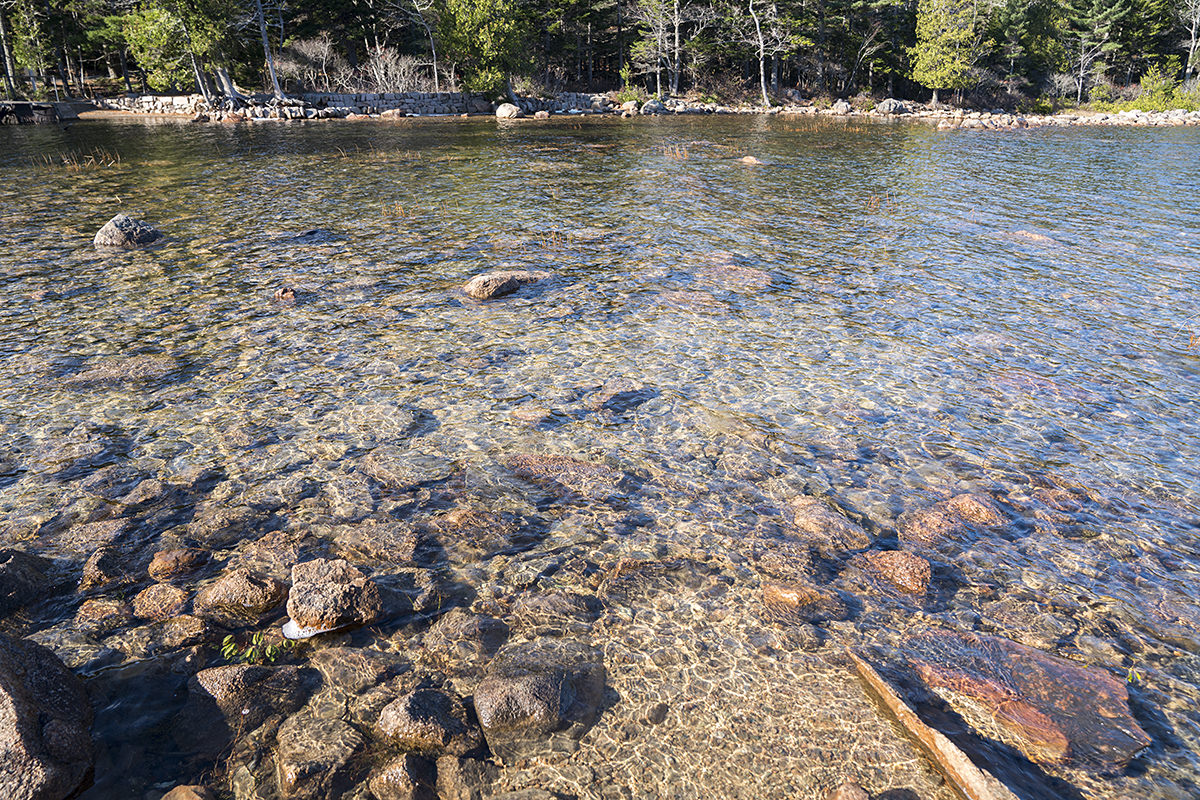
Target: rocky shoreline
x: 444, y: 654
x: 418, y: 104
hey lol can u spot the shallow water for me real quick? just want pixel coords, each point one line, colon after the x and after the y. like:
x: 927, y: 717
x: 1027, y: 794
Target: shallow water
x: 879, y: 314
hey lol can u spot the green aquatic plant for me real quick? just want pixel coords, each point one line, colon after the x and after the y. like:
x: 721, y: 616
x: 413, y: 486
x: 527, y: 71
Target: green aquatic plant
x: 257, y: 651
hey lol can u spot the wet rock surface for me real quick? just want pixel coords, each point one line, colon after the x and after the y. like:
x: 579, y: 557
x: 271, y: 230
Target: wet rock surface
x: 430, y: 722
x: 123, y: 232
x: 497, y: 284
x: 45, y: 724
x: 240, y: 597
x: 1052, y: 710
x: 327, y: 595
x: 22, y: 579
x: 584, y: 478
x: 531, y: 691
x: 951, y: 520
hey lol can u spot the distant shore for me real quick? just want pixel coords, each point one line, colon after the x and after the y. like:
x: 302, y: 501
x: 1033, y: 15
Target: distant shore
x: 429, y: 105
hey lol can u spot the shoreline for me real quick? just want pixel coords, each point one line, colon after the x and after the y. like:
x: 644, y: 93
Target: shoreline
x: 574, y: 105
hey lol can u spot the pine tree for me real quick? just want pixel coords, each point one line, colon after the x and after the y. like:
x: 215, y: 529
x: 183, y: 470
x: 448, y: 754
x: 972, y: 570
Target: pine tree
x: 947, y: 46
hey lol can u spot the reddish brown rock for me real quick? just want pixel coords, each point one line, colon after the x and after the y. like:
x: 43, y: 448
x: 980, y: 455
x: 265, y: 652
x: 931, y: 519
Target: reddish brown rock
x: 801, y: 603
x: 102, y: 614
x: 966, y: 779
x: 239, y: 595
x: 177, y: 561
x: 849, y: 790
x: 811, y: 519
x: 581, y: 477
x: 188, y: 793
x: 160, y: 601
x: 908, y: 572
x: 408, y: 777
x: 1052, y: 710
x: 950, y: 520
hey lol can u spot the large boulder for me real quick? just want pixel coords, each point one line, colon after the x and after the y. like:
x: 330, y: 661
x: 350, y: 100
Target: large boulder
x: 1052, y: 710
x: 430, y: 722
x: 830, y: 533
x: 538, y: 696
x: 22, y: 579
x: 123, y: 232
x: 508, y: 111
x: 842, y: 107
x: 892, y: 106
x: 328, y: 595
x: 239, y: 597
x: 45, y: 721
x: 654, y: 106
x: 951, y: 520
x: 498, y: 284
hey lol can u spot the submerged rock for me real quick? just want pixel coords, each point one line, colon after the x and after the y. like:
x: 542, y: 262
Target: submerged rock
x: 22, y: 579
x: 581, y: 477
x: 167, y: 564
x: 313, y: 756
x: 802, y: 603
x: 532, y: 690
x: 464, y: 778
x: 408, y: 777
x: 1052, y: 710
x: 498, y: 284
x: 159, y: 602
x: 829, y: 532
x: 239, y: 596
x: 123, y: 232
x: 431, y: 722
x: 238, y: 697
x: 908, y: 572
x: 850, y: 790
x: 950, y: 520
x: 45, y: 724
x: 124, y: 369
x: 328, y: 595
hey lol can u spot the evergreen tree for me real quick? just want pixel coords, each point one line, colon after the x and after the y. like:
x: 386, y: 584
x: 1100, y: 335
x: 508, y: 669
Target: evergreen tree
x: 947, y: 46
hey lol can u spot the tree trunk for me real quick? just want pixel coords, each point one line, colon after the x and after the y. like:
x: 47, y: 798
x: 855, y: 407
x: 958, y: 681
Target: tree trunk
x: 125, y: 70
x: 262, y: 29
x: 821, y: 77
x: 934, y: 101
x: 10, y: 67
x: 762, y: 57
x: 677, y: 47
x: 236, y: 98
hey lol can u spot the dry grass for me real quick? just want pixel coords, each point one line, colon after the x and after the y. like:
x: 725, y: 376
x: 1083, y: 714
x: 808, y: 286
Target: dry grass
x: 78, y: 160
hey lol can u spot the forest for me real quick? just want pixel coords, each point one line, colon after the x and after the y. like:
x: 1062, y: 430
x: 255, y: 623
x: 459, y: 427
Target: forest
x: 992, y: 52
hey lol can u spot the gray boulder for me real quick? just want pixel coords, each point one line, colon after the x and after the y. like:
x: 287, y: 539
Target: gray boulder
x: 430, y: 721
x: 123, y: 232
x: 328, y: 595
x: 892, y: 106
x: 842, y: 107
x: 508, y: 111
x: 654, y: 106
x: 498, y: 284
x: 45, y: 724
x: 538, y: 697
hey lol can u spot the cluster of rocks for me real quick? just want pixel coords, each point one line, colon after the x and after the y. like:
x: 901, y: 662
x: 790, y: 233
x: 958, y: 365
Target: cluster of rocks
x: 423, y: 104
